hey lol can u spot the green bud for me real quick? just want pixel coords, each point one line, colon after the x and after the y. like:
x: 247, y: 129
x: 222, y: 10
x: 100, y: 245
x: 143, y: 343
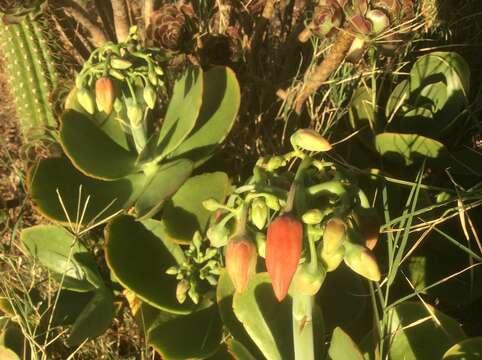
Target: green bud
x: 193, y: 294
x: 172, y: 270
x: 149, y: 95
x: 158, y: 70
x: 333, y: 260
x: 308, y: 281
x: 118, y: 105
x: 181, y: 290
x: 275, y: 162
x: 334, y: 235
x: 218, y: 235
x: 312, y: 217
x: 260, y: 239
x: 361, y: 260
x: 259, y: 213
x: 272, y: 202
x: 197, y: 240
x: 134, y: 112
x: 151, y: 75
x: 212, y: 280
x: 120, y: 64
x: 310, y: 140
x: 86, y: 100
x: 211, y: 204
x: 116, y: 74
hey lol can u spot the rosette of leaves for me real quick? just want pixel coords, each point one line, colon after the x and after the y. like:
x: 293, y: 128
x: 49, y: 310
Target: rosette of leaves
x: 106, y: 168
x: 420, y: 111
x: 173, y: 28
x: 14, y: 11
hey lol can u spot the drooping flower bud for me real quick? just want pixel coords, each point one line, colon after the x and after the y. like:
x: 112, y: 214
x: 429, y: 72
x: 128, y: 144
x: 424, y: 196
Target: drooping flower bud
x: 134, y: 111
x: 368, y: 224
x: 259, y: 213
x: 181, y: 290
x: 104, y: 94
x: 331, y: 260
x: 149, y: 95
x: 334, y: 235
x: 218, y: 235
x: 85, y: 100
x: 283, y: 252
x: 309, y: 140
x: 120, y: 64
x: 241, y: 257
x: 312, y: 216
x: 361, y: 260
x: 308, y: 281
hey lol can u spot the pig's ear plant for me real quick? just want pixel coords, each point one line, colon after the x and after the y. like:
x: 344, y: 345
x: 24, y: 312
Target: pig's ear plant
x: 118, y: 153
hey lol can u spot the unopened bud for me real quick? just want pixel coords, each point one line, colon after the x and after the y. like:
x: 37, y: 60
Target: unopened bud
x: 309, y: 140
x: 218, y: 235
x: 283, y: 252
x: 149, y: 95
x: 134, y: 112
x: 85, y: 100
x: 259, y: 213
x: 331, y: 260
x: 120, y: 64
x: 361, y: 260
x: 308, y: 281
x: 334, y: 235
x: 261, y: 244
x: 272, y: 202
x: 181, y: 290
x: 312, y: 217
x: 241, y: 258
x: 104, y: 94
x: 368, y: 224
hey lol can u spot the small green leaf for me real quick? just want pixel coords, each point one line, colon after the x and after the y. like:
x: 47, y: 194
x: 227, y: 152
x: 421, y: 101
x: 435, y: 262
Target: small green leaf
x: 220, y: 104
x: 94, y: 319
x: 468, y: 349
x: 184, y: 213
x: 92, y: 151
x: 407, y: 148
x: 267, y: 321
x: 182, y: 112
x: 193, y: 336
x: 105, y: 197
x: 137, y: 255
x: 342, y: 347
x: 56, y: 248
x: 415, y: 334
x: 163, y: 182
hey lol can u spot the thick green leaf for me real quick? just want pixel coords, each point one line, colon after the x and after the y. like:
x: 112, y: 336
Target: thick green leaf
x: 447, y: 66
x: 468, y: 349
x: 182, y: 112
x: 111, y: 125
x: 398, y: 98
x: 94, y: 319
x: 407, y: 148
x: 362, y: 109
x: 184, y: 213
x: 342, y: 347
x: 163, y: 181
x: 267, y: 321
x: 193, y: 336
x: 68, y: 307
x: 92, y: 151
x: 238, y: 351
x: 105, y: 197
x: 57, y: 249
x: 415, y: 334
x: 138, y: 257
x: 12, y: 338
x: 224, y: 297
x: 433, y: 95
x: 220, y: 104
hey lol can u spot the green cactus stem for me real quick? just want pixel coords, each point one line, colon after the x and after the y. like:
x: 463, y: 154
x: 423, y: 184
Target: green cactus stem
x: 31, y: 73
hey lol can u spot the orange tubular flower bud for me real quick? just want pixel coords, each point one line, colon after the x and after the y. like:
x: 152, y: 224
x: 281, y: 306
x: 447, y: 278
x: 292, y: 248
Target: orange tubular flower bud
x: 283, y: 252
x: 104, y: 94
x: 241, y: 257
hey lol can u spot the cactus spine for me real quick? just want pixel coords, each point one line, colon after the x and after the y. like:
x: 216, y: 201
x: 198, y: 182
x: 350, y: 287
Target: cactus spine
x: 31, y: 73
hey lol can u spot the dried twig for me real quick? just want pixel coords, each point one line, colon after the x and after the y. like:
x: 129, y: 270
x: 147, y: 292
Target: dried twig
x: 329, y: 64
x: 79, y: 15
x: 121, y: 19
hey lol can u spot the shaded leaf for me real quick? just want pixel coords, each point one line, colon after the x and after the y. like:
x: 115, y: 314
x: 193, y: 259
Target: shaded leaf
x: 342, y: 347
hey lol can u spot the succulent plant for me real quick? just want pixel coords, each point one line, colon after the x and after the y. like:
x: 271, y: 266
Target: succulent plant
x: 121, y: 152
x: 173, y: 28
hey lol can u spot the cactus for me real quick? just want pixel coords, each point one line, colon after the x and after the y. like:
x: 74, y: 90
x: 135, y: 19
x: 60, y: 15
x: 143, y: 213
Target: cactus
x: 32, y: 74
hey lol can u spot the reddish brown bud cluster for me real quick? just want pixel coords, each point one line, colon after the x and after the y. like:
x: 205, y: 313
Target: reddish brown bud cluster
x: 283, y: 252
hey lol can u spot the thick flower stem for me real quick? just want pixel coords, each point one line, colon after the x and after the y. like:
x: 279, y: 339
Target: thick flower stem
x: 302, y: 311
